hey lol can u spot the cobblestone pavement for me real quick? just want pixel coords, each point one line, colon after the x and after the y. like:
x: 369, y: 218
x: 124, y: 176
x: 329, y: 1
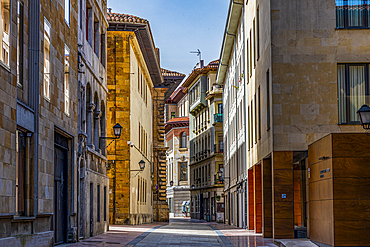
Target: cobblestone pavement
x: 179, y: 232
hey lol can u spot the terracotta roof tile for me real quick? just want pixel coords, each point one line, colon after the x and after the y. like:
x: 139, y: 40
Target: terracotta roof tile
x: 212, y: 66
x: 166, y: 72
x: 117, y: 17
x: 178, y: 119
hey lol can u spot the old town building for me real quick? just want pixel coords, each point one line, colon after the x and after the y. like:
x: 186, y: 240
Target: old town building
x: 206, y: 142
x: 38, y: 130
x: 177, y: 141
x: 92, y: 162
x: 133, y: 71
x: 294, y: 75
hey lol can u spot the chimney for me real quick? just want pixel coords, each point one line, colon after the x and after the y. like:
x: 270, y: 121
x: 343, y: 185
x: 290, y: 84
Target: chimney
x: 201, y: 64
x: 158, y: 57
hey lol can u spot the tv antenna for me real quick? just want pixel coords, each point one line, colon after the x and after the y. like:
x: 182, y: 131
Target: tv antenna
x: 199, y: 54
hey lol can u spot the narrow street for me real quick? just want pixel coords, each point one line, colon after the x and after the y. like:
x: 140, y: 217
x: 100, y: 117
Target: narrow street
x: 179, y: 232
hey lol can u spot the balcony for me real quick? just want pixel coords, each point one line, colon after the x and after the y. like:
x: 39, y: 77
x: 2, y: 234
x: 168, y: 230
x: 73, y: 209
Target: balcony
x: 216, y: 90
x: 219, y: 148
x: 218, y: 117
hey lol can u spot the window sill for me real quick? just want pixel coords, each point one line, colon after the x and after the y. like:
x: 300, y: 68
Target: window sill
x: 183, y: 149
x: 5, y: 66
x: 23, y: 218
x: 46, y: 98
x: 351, y: 28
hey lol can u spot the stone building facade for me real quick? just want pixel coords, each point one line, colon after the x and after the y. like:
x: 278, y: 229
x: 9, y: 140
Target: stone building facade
x: 171, y: 79
x: 177, y: 141
x: 38, y: 174
x: 302, y: 78
x: 206, y: 142
x: 92, y: 161
x: 132, y: 75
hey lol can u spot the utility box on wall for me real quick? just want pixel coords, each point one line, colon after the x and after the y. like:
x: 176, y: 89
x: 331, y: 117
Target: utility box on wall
x: 339, y: 190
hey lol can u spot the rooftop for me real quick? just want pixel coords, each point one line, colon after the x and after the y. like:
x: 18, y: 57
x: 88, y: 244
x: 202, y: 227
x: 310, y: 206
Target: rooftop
x: 166, y: 72
x: 117, y: 17
x: 212, y: 66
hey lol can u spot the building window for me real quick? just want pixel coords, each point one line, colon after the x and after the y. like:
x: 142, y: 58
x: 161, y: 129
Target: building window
x: 96, y: 38
x: 20, y: 177
x: 102, y: 47
x: 183, y: 140
x: 66, y: 80
x: 353, y: 88
x: 220, y: 108
x: 66, y: 11
x: 250, y: 52
x: 255, y: 118
x: 20, y: 19
x: 268, y: 99
x: 47, y: 59
x: 254, y: 44
x: 259, y: 112
x: 98, y: 204
x: 258, y: 33
x: 5, y: 27
x: 352, y: 13
x: 173, y: 115
x: 138, y: 188
x: 88, y: 23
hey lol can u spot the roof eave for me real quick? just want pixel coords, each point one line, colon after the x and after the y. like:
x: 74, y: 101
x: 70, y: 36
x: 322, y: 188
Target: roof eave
x: 145, y: 41
x: 235, y: 11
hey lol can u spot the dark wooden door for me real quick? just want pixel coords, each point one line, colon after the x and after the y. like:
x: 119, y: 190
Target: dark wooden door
x: 91, y: 210
x: 60, y: 195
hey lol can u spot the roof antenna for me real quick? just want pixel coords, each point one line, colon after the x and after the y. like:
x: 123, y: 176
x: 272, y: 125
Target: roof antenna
x: 199, y: 54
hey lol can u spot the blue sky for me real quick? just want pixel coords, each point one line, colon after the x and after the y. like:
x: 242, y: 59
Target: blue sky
x: 181, y: 26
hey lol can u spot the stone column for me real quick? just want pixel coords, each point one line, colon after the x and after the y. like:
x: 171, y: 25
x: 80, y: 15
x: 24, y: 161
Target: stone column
x: 96, y: 132
x: 90, y: 109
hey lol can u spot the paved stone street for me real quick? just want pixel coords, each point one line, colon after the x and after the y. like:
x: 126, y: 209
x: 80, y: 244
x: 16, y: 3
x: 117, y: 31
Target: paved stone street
x: 179, y: 232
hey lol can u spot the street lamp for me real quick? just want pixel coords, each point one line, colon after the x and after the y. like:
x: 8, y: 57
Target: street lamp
x: 171, y: 183
x: 117, y: 129
x: 193, y: 187
x: 141, y: 166
x: 364, y: 114
x: 220, y: 174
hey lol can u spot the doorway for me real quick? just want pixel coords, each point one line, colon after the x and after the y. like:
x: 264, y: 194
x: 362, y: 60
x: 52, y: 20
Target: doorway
x: 60, y: 193
x: 300, y: 200
x: 91, y: 209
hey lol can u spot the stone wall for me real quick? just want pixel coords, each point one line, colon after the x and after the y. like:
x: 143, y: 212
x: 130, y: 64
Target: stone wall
x: 92, y: 112
x: 118, y: 111
x: 160, y: 206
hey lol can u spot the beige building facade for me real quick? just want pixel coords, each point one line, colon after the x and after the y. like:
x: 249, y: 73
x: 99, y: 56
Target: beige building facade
x: 301, y: 75
x: 206, y: 143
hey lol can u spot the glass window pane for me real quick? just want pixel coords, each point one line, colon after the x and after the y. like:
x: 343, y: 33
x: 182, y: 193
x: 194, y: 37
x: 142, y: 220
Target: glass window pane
x: 46, y: 59
x: 66, y: 11
x: 355, y: 13
x: 342, y: 93
x: 4, y: 30
x: 357, y: 91
x: 339, y: 10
